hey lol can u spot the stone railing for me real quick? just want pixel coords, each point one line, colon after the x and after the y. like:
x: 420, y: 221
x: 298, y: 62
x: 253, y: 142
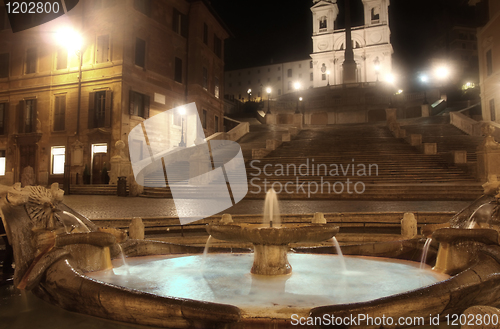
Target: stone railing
x: 240, y: 129
x: 466, y: 124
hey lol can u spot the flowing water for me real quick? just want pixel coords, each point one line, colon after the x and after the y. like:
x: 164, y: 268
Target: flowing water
x: 425, y: 251
x: 271, y: 209
x: 122, y: 254
x: 72, y: 224
x: 339, y: 253
x: 207, y: 246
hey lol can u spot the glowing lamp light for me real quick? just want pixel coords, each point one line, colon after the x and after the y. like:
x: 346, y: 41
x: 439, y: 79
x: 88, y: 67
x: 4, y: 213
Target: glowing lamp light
x: 249, y: 91
x: 300, y: 99
x: 69, y: 38
x: 424, y: 78
x: 442, y: 72
x: 296, y: 85
x: 400, y: 91
x: 390, y: 78
x: 268, y: 90
x: 182, y: 110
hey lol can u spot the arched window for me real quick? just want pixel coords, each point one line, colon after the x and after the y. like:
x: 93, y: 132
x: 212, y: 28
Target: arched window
x: 322, y: 23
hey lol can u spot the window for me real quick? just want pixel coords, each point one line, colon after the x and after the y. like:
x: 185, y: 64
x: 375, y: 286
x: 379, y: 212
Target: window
x: 323, y: 76
x: 279, y: 78
x: 179, y: 23
x: 144, y: 6
x: 204, y: 119
x: 140, y: 52
x: 205, y: 34
x: 279, y: 68
x: 59, y: 112
x: 62, y: 59
x: 4, y: 65
x: 3, y: 112
x: 311, y: 76
x: 216, y: 87
x: 102, y: 50
x: 493, y: 113
x: 289, y: 73
x: 100, y: 109
x: 489, y: 63
x: 27, y: 119
x: 204, y: 83
x: 30, y: 61
x: 311, y: 64
x: 58, y: 155
x: 178, y: 70
x: 217, y: 46
x: 216, y: 124
x: 139, y: 104
x: 322, y: 23
x: 2, y: 162
x: 375, y: 14
x: 3, y: 18
x: 300, y: 66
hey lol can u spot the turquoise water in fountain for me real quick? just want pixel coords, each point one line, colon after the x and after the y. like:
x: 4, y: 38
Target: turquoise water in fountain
x: 316, y: 280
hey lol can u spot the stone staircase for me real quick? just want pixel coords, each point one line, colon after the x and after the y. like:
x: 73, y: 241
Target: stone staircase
x: 447, y: 137
x: 398, y: 170
x: 403, y: 172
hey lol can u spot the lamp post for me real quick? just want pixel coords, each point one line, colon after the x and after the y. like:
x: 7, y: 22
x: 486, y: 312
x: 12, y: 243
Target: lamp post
x: 182, y: 112
x: 376, y: 63
x: 268, y: 90
x: 249, y: 92
x: 297, y: 87
x: 72, y: 41
x: 328, y: 77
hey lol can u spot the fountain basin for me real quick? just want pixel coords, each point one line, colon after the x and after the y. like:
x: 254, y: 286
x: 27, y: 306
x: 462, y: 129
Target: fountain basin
x: 270, y: 244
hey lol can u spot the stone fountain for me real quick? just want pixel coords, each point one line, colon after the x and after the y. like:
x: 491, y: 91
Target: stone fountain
x: 69, y: 263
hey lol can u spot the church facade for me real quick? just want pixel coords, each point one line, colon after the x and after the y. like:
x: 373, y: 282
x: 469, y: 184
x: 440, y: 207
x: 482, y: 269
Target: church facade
x: 370, y: 42
x: 371, y: 46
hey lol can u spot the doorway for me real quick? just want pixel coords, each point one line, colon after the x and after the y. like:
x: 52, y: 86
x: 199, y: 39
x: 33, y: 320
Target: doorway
x: 100, y: 164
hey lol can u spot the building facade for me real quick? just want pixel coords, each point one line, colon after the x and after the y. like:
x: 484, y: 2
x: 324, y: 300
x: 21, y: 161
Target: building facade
x: 489, y: 64
x: 137, y: 58
x: 372, y: 53
x: 280, y: 77
x: 371, y: 43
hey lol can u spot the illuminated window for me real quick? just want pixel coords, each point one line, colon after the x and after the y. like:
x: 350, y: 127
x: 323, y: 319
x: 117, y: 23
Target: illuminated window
x: 2, y: 162
x: 216, y: 87
x: 58, y: 158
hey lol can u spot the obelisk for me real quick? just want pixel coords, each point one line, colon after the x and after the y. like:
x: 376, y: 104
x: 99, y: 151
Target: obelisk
x: 349, y: 65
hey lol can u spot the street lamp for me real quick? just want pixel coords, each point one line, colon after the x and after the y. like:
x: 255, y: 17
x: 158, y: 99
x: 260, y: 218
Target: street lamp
x: 297, y: 110
x: 72, y: 41
x: 249, y: 92
x: 328, y: 75
x: 182, y: 112
x: 296, y: 85
x: 376, y: 62
x: 268, y: 90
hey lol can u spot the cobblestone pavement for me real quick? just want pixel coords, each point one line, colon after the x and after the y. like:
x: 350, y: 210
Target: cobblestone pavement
x: 99, y: 206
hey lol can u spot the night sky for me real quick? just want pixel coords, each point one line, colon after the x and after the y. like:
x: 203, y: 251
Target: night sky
x: 280, y: 30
